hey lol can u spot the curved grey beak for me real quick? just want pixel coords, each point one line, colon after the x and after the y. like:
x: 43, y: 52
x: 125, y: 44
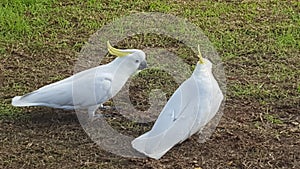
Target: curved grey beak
x: 143, y: 65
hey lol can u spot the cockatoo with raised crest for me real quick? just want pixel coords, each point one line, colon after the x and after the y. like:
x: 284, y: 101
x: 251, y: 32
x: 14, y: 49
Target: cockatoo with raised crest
x: 88, y: 89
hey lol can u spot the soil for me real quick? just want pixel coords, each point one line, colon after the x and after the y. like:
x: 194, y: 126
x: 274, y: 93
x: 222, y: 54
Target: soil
x: 50, y: 138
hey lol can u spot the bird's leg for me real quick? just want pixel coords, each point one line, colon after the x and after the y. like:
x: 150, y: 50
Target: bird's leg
x: 91, y: 112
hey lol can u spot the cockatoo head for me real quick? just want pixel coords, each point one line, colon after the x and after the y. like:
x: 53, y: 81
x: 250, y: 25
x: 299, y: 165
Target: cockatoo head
x: 203, y: 65
x: 134, y: 58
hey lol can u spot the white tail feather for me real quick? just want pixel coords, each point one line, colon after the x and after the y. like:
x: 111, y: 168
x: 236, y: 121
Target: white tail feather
x: 22, y: 101
x: 17, y: 101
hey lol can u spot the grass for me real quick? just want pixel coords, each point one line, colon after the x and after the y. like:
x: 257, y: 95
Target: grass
x: 23, y: 18
x: 258, y: 43
x: 273, y: 119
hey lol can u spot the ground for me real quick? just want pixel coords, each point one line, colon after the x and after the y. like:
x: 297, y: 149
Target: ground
x: 258, y: 43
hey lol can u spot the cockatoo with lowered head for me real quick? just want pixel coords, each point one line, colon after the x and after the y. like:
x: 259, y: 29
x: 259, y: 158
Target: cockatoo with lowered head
x: 88, y: 89
x: 190, y: 108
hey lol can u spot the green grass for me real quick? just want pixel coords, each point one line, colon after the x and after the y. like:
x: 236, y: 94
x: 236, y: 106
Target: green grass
x: 7, y: 111
x: 273, y: 119
x: 21, y: 18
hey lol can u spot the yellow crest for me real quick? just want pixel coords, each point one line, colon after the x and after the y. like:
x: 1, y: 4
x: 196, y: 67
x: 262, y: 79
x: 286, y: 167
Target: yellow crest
x: 116, y: 52
x: 201, y: 60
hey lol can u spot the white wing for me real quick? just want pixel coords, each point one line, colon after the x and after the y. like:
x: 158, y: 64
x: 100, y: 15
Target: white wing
x: 175, y: 122
x: 216, y: 97
x: 77, y: 90
x: 187, y: 111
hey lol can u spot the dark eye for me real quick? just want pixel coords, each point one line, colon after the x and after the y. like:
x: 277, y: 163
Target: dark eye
x: 137, y: 61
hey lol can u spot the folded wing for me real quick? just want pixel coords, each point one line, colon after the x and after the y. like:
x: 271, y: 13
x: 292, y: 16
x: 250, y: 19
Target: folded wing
x: 175, y: 123
x: 81, y: 90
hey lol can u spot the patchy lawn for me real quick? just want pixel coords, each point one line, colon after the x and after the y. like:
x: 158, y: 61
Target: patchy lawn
x: 258, y: 42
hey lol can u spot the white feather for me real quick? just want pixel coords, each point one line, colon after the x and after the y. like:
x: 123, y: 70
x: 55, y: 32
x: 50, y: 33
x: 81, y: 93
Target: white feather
x: 190, y: 108
x: 87, y: 89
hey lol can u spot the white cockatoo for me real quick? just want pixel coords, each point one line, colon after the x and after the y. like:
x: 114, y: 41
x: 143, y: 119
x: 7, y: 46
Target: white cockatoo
x: 189, y: 109
x: 88, y: 89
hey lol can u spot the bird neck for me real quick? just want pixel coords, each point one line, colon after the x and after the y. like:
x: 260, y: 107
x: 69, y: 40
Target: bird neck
x: 121, y: 73
x: 121, y: 68
x: 201, y: 70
